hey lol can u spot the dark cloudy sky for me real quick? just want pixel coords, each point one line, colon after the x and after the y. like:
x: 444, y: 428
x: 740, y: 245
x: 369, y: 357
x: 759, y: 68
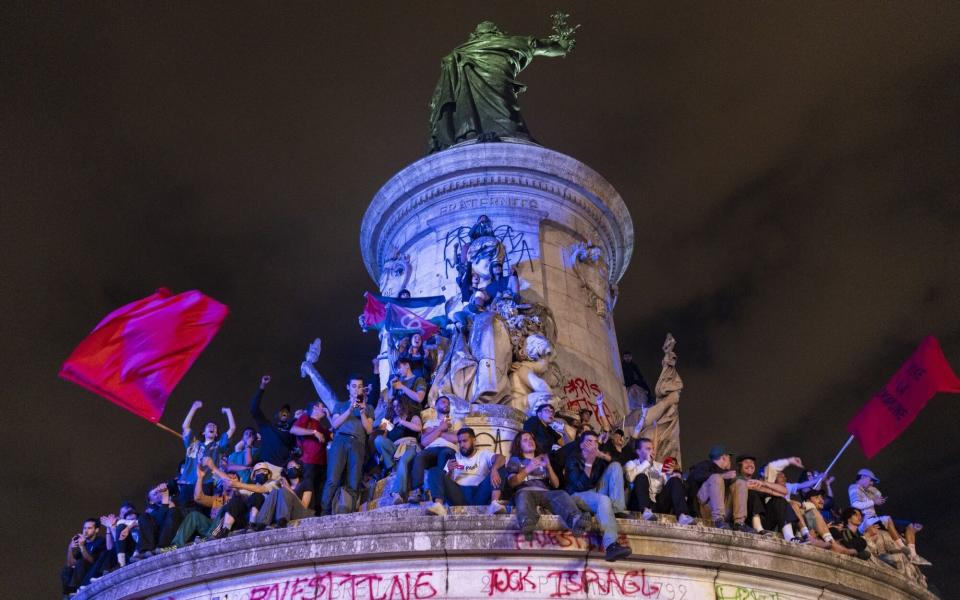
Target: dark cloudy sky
x: 793, y: 172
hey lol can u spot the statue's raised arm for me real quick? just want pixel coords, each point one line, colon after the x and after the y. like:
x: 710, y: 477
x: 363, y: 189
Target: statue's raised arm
x: 476, y: 95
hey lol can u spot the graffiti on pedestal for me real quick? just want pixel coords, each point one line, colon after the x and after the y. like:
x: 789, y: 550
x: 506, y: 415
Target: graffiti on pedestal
x: 514, y: 243
x: 513, y: 581
x: 564, y: 539
x: 580, y: 393
x: 728, y: 591
x: 411, y: 585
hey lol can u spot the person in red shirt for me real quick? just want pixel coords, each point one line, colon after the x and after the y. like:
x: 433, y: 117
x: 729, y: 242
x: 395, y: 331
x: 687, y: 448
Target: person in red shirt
x: 313, y: 430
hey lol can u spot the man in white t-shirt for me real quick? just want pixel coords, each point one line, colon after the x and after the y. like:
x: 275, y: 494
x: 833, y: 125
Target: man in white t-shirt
x: 470, y: 478
x: 439, y: 441
x: 655, y: 487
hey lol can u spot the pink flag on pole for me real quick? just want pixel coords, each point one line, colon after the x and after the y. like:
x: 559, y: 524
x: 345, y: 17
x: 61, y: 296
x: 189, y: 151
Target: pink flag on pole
x: 887, y: 414
x: 138, y: 353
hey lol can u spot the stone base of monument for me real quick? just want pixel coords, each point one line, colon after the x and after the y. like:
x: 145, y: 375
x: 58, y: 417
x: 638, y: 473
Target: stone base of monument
x: 405, y: 553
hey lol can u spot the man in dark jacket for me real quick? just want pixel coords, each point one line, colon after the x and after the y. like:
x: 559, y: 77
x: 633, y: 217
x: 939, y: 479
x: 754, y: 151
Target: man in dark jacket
x: 715, y: 485
x: 276, y: 440
x: 541, y: 425
x: 598, y: 482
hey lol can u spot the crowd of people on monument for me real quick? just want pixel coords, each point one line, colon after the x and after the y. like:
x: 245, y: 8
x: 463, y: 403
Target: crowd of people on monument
x: 356, y: 451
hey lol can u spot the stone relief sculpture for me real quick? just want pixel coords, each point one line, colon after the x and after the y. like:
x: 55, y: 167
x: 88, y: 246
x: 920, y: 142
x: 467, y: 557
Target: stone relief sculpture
x: 476, y: 364
x: 661, y: 421
x: 530, y: 389
x: 590, y: 267
x: 476, y: 95
x: 492, y: 332
x: 395, y: 275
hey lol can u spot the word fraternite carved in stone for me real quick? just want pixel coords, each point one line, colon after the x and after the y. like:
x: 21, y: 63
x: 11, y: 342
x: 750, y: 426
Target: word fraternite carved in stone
x: 476, y: 95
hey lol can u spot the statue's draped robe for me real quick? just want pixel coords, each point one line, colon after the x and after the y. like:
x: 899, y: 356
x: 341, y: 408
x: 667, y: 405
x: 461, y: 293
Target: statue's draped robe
x: 477, y: 90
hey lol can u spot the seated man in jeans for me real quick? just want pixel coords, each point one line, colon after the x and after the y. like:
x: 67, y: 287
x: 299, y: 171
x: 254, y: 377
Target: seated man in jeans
x: 656, y: 487
x: 598, y: 483
x: 470, y: 478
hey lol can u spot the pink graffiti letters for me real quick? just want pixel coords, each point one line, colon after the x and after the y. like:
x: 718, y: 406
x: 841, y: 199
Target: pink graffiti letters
x: 563, y: 539
x: 632, y: 584
x: 510, y: 580
x: 416, y: 585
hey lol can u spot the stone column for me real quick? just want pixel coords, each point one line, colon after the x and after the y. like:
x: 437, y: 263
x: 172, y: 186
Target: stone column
x: 563, y: 227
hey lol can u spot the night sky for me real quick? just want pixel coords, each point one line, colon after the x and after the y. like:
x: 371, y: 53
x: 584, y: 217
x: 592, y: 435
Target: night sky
x: 793, y: 172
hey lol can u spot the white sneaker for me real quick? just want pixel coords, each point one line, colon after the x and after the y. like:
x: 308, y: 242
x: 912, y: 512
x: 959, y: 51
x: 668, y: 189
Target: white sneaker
x: 648, y: 515
x: 685, y: 520
x: 437, y: 508
x: 496, y: 508
x: 919, y: 560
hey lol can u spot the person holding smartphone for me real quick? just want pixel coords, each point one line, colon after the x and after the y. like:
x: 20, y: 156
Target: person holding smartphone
x: 351, y: 421
x: 536, y: 483
x: 656, y: 487
x: 470, y: 478
x: 83, y: 551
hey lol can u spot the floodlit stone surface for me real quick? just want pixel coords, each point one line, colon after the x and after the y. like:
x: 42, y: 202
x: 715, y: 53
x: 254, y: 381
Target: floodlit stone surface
x: 406, y: 553
x: 544, y: 204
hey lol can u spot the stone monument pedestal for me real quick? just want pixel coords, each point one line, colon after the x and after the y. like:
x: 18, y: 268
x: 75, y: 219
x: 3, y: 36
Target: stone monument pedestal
x: 563, y: 228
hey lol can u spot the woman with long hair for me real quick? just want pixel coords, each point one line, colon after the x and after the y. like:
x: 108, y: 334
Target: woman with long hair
x: 536, y: 486
x: 399, y: 442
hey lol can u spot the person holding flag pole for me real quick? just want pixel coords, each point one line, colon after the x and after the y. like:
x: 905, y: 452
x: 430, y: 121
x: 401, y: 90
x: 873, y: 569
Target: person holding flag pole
x: 885, y: 416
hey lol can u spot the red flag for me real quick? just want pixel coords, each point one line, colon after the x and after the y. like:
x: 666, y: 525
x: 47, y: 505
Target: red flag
x: 887, y: 414
x: 374, y: 312
x: 140, y: 352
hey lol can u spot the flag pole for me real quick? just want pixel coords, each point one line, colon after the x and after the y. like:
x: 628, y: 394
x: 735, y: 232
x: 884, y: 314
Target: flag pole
x: 833, y: 462
x: 165, y: 428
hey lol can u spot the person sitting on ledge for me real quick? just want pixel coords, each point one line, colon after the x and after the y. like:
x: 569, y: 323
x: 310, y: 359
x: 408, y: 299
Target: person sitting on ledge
x: 617, y: 446
x: 718, y: 490
x: 546, y: 430
x: 289, y: 501
x: 120, y: 534
x: 757, y: 493
x: 470, y: 478
x: 439, y: 440
x: 819, y: 534
x: 778, y: 513
x: 656, y: 487
x: 887, y: 553
x: 160, y: 520
x: 536, y: 486
x: 83, y: 552
x: 865, y: 496
x: 848, y: 533
x: 196, y: 524
x: 265, y: 479
x: 398, y: 444
x: 406, y: 384
x: 597, y: 482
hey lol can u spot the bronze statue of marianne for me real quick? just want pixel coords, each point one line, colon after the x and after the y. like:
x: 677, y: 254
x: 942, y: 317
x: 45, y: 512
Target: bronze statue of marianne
x: 476, y: 96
